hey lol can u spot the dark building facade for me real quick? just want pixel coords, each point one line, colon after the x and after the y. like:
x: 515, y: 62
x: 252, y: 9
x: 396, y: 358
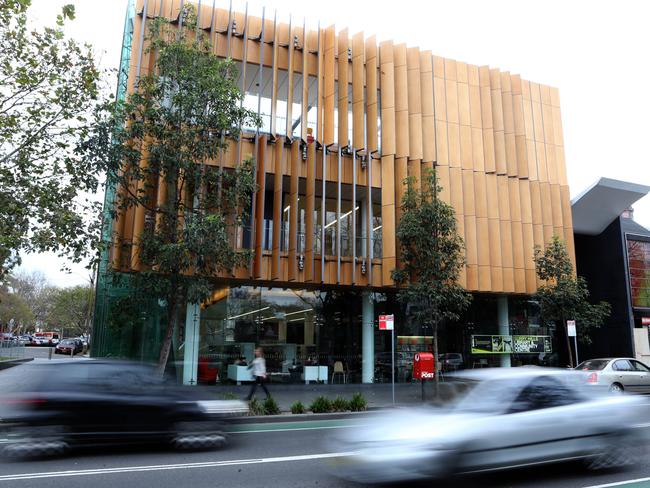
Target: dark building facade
x: 615, y: 261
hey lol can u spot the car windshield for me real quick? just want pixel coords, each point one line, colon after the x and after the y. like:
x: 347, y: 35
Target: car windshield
x: 67, y: 342
x: 593, y: 365
x: 489, y: 396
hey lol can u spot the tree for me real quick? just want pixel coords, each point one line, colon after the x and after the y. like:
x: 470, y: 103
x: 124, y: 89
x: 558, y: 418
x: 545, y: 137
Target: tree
x: 35, y: 291
x: 48, y: 86
x: 430, y: 258
x: 564, y: 296
x: 14, y: 307
x: 172, y: 129
x: 72, y: 309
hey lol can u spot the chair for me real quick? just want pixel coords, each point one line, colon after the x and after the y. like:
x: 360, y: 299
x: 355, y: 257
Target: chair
x: 338, y: 369
x: 482, y: 363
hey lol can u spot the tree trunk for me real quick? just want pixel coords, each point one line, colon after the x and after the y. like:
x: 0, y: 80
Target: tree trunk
x: 436, y: 388
x: 568, y: 341
x: 172, y: 320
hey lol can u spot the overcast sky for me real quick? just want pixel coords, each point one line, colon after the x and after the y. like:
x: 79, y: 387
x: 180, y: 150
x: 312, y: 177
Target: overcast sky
x: 595, y: 52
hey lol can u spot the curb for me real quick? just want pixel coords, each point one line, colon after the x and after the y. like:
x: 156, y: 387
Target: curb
x: 302, y: 417
x: 13, y: 362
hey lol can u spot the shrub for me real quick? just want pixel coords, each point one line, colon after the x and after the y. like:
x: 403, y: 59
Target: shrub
x: 271, y: 406
x: 358, y: 403
x: 321, y: 405
x: 297, y: 407
x: 340, y: 404
x: 255, y: 407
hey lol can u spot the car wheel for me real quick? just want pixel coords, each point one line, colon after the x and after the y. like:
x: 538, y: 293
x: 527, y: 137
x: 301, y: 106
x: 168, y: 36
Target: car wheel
x: 616, y: 451
x: 35, y: 442
x: 616, y: 388
x: 197, y: 436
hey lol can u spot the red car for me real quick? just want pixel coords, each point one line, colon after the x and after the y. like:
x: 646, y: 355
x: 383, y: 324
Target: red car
x: 68, y: 346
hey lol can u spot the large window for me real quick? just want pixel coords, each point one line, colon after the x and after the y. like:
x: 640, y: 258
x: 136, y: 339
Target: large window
x: 296, y: 328
x: 638, y: 254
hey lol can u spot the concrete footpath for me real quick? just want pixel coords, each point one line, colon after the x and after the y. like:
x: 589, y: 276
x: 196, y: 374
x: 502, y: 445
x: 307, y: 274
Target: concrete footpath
x: 377, y: 395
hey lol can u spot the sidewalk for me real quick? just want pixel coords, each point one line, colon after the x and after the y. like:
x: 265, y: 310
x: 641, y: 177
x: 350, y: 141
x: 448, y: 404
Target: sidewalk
x: 377, y: 395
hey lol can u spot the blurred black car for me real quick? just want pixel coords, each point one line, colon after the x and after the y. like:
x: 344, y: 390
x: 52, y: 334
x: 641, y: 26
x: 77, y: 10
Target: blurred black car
x: 68, y: 346
x: 50, y: 407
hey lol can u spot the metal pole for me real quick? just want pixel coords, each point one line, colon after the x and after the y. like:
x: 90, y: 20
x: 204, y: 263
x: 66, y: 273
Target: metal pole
x: 392, y: 359
x: 575, y: 342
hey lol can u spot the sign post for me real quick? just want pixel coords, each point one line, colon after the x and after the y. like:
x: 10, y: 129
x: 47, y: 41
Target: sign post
x: 571, y: 330
x: 386, y: 322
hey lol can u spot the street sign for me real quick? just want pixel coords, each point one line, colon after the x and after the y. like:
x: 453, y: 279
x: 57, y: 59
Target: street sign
x: 645, y: 320
x: 386, y: 322
x: 571, y: 328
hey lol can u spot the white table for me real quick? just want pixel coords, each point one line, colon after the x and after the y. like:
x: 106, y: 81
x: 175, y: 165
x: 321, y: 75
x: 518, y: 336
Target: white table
x: 239, y: 373
x: 315, y: 373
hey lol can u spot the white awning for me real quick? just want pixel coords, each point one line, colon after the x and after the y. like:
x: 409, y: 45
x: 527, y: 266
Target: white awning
x: 597, y: 207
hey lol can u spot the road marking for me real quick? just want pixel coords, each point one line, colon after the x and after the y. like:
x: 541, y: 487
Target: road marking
x: 167, y: 467
x: 644, y: 482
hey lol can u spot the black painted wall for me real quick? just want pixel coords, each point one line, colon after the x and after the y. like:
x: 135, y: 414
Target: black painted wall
x: 601, y: 261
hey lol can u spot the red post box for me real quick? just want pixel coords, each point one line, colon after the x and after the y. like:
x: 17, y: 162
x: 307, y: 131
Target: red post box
x: 423, y: 366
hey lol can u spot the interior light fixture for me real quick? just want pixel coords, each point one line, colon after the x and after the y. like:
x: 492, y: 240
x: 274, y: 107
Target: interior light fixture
x: 298, y: 311
x: 247, y: 313
x: 342, y: 216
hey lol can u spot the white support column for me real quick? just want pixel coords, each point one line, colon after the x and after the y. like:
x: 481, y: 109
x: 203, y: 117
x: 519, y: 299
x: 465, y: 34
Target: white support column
x: 367, y: 338
x: 504, y: 326
x: 191, y: 345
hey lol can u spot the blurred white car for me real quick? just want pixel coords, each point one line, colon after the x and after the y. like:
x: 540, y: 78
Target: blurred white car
x: 513, y: 417
x: 617, y: 374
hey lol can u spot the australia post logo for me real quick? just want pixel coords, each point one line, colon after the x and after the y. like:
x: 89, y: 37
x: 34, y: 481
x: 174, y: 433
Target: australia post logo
x: 427, y: 375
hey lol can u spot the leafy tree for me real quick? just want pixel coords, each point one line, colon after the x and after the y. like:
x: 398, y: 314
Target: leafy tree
x: 34, y: 290
x: 431, y: 257
x: 48, y: 85
x: 14, y: 307
x: 173, y: 129
x: 72, y: 309
x: 564, y: 296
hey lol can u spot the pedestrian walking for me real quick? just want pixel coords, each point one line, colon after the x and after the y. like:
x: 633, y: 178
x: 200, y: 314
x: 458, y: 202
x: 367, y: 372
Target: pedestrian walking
x: 259, y: 373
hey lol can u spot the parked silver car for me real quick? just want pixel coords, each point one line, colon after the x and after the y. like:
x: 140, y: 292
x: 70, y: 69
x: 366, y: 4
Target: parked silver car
x: 513, y: 417
x: 618, y: 374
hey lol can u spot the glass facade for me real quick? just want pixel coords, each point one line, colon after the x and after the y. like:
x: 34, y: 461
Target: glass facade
x: 638, y: 254
x: 302, y: 328
x: 295, y: 328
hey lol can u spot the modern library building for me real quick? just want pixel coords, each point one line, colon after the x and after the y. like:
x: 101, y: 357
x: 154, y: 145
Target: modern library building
x: 345, y: 119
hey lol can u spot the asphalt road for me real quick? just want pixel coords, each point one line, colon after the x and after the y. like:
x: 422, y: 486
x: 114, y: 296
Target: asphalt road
x: 42, y: 352
x: 267, y: 455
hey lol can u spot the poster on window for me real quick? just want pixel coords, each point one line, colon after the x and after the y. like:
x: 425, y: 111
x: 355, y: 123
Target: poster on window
x: 506, y: 344
x: 491, y: 344
x: 532, y: 344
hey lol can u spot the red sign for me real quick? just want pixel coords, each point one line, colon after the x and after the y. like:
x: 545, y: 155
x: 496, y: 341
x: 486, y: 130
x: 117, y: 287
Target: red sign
x: 645, y: 320
x: 386, y: 322
x: 423, y: 366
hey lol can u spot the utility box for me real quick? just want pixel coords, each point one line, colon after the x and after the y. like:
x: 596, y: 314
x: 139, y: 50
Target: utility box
x: 423, y: 366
